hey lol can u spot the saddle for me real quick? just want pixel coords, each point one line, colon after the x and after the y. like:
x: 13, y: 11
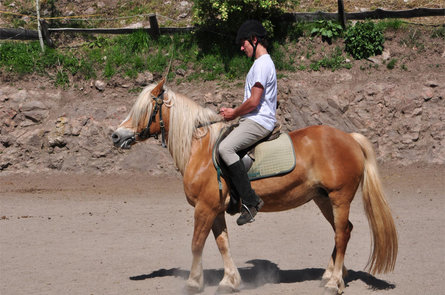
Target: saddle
x: 272, y: 156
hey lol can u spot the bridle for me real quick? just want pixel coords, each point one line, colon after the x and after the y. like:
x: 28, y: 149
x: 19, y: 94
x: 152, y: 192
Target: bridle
x: 145, y: 133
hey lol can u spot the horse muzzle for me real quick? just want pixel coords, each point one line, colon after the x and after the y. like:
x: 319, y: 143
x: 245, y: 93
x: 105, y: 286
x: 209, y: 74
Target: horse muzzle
x: 123, y: 140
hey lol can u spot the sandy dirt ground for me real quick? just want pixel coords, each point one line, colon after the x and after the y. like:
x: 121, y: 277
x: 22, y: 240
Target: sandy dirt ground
x: 131, y: 234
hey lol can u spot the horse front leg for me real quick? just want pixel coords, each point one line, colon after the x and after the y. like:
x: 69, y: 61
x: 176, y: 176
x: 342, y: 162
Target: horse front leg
x: 232, y: 279
x: 204, y: 218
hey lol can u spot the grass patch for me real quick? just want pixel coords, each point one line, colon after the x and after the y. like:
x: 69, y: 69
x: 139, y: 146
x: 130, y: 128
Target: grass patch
x: 334, y: 61
x: 391, y: 64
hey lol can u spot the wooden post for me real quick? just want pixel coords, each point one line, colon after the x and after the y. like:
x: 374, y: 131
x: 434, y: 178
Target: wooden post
x: 341, y: 14
x: 38, y: 26
x: 46, y: 34
x: 154, y: 27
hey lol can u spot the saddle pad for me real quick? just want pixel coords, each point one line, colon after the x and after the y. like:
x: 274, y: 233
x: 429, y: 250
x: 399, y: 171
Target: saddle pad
x: 273, y: 158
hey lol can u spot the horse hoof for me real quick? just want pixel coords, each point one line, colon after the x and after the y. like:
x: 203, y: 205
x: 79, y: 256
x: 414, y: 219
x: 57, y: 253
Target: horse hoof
x: 226, y: 289
x: 323, y: 282
x: 331, y: 291
x: 192, y: 288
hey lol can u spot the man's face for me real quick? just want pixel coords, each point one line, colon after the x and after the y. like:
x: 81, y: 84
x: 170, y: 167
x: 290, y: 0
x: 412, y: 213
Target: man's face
x: 247, y: 48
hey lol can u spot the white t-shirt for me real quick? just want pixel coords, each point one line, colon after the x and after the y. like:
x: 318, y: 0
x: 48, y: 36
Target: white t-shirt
x: 263, y: 71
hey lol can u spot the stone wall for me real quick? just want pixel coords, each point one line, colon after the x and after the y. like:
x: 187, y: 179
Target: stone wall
x: 70, y: 130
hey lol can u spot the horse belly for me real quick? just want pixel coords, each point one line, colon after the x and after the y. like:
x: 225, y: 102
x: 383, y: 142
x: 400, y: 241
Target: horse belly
x: 280, y: 195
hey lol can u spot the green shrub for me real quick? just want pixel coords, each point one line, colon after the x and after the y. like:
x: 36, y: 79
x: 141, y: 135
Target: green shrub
x: 227, y: 15
x: 363, y: 40
x: 295, y: 31
x: 327, y: 29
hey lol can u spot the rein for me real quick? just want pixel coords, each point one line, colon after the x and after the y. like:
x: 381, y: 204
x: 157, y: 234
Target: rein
x: 145, y: 134
x: 205, y: 124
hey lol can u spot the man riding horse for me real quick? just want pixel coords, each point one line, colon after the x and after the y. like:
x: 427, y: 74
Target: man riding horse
x: 257, y: 114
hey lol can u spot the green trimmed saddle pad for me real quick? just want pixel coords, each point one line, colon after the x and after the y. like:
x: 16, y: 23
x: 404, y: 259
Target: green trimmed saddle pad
x: 273, y: 158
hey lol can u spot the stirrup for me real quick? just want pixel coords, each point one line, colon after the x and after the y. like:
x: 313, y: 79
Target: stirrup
x: 247, y: 212
x: 252, y: 219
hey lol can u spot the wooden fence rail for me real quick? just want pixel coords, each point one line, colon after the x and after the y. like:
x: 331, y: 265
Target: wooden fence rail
x: 155, y: 30
x: 375, y: 14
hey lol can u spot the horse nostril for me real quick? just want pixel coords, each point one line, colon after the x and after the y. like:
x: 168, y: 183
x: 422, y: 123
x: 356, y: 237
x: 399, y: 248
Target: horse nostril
x: 115, y: 137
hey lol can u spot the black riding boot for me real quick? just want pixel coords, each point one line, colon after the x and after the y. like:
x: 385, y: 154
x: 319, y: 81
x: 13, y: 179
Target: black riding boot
x: 251, y: 203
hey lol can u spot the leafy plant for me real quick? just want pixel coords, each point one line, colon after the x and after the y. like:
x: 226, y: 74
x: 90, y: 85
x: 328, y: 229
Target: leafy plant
x: 327, y: 29
x: 363, y: 40
x: 229, y: 14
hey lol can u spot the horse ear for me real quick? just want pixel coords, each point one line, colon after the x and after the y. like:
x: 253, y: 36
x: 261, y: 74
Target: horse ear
x: 158, y: 89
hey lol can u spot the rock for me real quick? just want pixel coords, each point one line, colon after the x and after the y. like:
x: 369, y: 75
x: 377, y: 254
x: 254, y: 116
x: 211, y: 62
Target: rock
x: 53, y: 95
x: 5, y: 163
x: 32, y: 138
x: 55, y: 162
x: 90, y: 10
x: 208, y: 97
x: 100, y: 85
x: 180, y: 72
x: 19, y: 97
x: 386, y: 54
x: 427, y: 94
x: 7, y: 140
x: 432, y: 84
x: 58, y: 141
x: 135, y: 25
x: 35, y: 111
x: 184, y: 4
x: 3, y: 97
x: 343, y: 77
x: 375, y: 59
x: 77, y: 125
x: 144, y: 79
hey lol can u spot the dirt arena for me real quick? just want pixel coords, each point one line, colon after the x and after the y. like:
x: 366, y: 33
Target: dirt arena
x: 131, y: 234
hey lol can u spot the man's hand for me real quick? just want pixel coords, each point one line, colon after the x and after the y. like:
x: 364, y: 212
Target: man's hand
x: 228, y: 113
x: 247, y: 106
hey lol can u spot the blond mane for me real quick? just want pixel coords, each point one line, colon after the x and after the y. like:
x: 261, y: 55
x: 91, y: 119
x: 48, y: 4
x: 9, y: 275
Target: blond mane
x: 142, y: 105
x: 185, y: 115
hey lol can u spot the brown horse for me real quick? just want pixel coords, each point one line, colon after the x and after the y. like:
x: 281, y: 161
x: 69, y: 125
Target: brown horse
x: 330, y: 165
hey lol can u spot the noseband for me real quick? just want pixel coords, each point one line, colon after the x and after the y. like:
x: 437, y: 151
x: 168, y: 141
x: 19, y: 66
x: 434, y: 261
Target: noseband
x: 145, y: 134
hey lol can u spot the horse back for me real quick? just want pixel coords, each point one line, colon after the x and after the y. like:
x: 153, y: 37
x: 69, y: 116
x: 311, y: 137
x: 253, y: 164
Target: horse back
x: 329, y: 156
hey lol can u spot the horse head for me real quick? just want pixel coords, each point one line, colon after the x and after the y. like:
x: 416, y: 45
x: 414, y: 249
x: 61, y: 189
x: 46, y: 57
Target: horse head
x: 147, y: 118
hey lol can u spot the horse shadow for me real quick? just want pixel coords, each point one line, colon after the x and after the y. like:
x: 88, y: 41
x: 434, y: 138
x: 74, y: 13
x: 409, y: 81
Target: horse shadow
x: 265, y: 272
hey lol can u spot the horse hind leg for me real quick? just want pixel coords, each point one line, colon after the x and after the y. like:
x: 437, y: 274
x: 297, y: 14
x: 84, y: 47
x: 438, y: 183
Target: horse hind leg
x: 337, y: 215
x: 232, y: 279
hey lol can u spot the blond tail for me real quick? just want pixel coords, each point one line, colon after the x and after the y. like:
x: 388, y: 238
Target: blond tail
x: 384, y: 243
